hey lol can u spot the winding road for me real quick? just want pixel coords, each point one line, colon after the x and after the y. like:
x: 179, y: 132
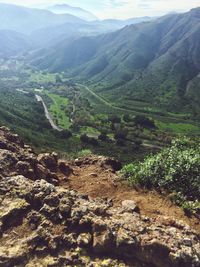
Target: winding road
x: 47, y: 114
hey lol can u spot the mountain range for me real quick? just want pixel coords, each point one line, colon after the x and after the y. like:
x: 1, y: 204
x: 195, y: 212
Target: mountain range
x: 26, y: 20
x: 12, y: 43
x: 45, y: 28
x: 151, y: 61
x: 156, y: 61
x: 75, y: 11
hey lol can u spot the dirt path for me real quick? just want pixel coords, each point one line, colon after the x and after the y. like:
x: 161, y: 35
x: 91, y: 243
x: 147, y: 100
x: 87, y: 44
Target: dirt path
x: 99, y: 182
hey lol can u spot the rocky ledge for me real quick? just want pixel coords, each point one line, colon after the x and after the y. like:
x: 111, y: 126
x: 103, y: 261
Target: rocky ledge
x: 43, y: 224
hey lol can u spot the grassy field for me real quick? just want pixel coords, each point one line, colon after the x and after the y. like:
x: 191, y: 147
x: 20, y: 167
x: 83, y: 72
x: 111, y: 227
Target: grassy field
x: 179, y: 128
x: 42, y: 78
x: 58, y: 110
x: 90, y: 131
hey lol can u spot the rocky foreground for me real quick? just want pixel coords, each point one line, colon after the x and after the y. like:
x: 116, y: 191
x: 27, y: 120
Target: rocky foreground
x: 43, y: 224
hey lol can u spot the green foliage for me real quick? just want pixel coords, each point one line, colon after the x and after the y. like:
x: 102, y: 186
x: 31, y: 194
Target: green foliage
x: 84, y: 153
x: 89, y: 140
x: 130, y: 70
x: 144, y: 122
x: 190, y: 207
x: 184, y: 128
x: 175, y: 169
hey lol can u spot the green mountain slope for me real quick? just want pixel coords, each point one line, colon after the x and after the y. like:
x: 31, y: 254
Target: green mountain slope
x: 51, y: 35
x: 156, y: 62
x: 13, y: 43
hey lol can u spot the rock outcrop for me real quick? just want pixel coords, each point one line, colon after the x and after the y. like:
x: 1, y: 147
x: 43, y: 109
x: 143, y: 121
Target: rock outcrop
x: 43, y: 224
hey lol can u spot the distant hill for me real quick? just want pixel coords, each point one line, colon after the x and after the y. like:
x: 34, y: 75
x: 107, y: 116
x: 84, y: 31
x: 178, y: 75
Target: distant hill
x: 118, y: 24
x: 75, y: 11
x: 48, y: 36
x: 26, y: 20
x: 45, y: 28
x: 13, y: 43
x: 156, y: 62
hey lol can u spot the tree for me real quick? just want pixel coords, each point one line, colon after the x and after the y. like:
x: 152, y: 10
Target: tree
x: 120, y: 142
x: 103, y: 137
x: 144, y: 122
x: 58, y: 79
x: 114, y: 119
x: 121, y: 133
x: 65, y: 134
x: 89, y: 140
x: 127, y: 118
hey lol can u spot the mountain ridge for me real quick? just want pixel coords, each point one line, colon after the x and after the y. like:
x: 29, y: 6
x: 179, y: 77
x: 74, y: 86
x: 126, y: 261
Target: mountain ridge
x: 25, y: 20
x: 76, y: 11
x: 13, y: 43
x: 153, y: 61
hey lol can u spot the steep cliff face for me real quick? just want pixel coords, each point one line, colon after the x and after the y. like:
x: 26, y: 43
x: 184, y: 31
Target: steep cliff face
x: 44, y: 224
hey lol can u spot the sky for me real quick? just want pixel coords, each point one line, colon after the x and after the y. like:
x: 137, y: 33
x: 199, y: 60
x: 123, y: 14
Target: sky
x: 119, y: 9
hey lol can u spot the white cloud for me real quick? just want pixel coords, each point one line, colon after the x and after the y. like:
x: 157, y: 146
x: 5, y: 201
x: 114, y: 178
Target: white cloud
x: 119, y: 8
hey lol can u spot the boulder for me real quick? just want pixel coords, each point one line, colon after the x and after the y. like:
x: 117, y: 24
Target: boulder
x: 12, y: 210
x: 8, y: 160
x: 52, y: 200
x: 49, y: 160
x: 41, y: 172
x: 113, y: 163
x: 65, y: 168
x: 103, y: 239
x: 52, y: 178
x: 24, y: 168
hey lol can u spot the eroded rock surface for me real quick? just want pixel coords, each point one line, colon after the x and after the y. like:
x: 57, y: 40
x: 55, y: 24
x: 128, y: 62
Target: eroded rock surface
x: 43, y: 224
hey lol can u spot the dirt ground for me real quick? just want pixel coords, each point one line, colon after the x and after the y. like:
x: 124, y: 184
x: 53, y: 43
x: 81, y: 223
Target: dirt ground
x: 100, y: 182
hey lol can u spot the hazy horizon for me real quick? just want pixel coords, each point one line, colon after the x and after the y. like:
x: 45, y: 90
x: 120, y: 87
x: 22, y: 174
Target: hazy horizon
x: 118, y: 9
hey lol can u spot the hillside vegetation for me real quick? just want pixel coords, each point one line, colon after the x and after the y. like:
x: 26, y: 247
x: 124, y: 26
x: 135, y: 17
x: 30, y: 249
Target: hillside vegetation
x: 155, y: 63
x: 175, y: 169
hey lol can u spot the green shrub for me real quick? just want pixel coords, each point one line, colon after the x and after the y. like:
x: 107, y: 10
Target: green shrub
x: 175, y: 169
x: 84, y: 153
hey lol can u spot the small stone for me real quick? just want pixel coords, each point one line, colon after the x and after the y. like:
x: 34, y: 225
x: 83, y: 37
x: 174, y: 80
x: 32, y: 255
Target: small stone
x: 187, y: 242
x: 130, y: 206
x: 93, y: 175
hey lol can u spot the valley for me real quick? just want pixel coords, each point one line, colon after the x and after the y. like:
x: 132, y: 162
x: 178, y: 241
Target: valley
x: 82, y: 119
x: 99, y: 135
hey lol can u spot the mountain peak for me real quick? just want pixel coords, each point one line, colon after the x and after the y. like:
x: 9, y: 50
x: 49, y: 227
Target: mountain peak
x: 76, y: 11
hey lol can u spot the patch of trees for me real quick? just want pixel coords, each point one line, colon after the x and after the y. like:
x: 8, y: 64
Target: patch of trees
x: 114, y: 119
x: 65, y: 134
x: 144, y: 122
x: 89, y: 140
x: 103, y: 136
